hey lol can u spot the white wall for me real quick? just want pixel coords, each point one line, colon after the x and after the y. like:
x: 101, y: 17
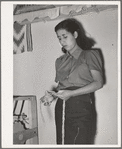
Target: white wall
x: 34, y: 72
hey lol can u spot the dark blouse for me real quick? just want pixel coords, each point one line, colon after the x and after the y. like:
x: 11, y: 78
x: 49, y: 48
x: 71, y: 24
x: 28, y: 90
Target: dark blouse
x: 74, y: 69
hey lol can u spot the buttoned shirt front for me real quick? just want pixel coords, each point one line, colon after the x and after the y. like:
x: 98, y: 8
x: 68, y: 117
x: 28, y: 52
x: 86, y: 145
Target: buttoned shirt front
x: 75, y: 69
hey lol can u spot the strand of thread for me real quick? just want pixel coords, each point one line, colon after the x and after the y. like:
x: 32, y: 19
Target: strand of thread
x: 63, y: 121
x: 76, y: 135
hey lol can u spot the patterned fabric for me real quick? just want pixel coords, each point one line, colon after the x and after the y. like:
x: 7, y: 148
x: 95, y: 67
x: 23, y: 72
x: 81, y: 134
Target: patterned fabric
x: 22, y: 38
x: 29, y: 38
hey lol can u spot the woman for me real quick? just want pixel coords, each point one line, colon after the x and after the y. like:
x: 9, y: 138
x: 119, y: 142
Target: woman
x: 78, y: 74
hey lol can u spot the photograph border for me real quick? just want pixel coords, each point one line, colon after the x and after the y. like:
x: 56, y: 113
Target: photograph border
x: 7, y: 75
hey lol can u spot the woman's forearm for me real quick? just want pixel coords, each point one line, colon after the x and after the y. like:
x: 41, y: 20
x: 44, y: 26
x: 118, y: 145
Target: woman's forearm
x: 92, y: 87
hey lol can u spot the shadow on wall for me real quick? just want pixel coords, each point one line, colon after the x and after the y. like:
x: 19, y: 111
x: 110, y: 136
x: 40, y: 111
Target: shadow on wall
x: 103, y: 64
x: 94, y: 122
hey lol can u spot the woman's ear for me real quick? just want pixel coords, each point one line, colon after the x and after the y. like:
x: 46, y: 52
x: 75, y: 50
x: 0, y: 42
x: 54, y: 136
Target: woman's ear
x: 75, y: 34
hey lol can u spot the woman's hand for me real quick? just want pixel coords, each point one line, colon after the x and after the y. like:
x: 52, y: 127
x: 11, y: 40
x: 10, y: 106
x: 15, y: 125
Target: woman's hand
x: 64, y: 94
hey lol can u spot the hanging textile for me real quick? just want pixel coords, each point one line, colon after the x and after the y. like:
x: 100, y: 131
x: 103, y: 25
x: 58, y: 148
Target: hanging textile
x: 47, y: 107
x: 35, y: 15
x: 29, y: 37
x: 25, y: 16
x: 22, y: 38
x: 47, y: 119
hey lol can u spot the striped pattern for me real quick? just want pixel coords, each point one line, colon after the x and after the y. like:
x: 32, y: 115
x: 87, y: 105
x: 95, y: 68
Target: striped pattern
x: 22, y: 38
x: 29, y: 38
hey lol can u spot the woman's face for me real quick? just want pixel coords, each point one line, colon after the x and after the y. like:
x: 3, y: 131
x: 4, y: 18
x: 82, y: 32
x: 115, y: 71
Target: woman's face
x: 67, y: 39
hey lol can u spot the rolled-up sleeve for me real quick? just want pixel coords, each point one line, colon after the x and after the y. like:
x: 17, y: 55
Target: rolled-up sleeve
x: 94, y: 61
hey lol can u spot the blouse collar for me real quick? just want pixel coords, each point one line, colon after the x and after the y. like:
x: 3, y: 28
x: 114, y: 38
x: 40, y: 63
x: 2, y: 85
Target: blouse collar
x: 76, y: 53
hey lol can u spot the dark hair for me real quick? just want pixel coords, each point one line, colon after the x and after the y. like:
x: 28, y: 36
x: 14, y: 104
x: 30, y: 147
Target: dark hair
x: 72, y: 25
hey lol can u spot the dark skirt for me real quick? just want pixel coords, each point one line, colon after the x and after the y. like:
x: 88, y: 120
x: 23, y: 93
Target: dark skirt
x: 78, y: 119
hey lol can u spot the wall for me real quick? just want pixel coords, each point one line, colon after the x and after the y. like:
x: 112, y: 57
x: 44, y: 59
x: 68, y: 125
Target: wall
x: 34, y: 72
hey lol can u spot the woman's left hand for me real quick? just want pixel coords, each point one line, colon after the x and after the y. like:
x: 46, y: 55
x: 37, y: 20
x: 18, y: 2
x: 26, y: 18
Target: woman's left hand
x: 64, y: 94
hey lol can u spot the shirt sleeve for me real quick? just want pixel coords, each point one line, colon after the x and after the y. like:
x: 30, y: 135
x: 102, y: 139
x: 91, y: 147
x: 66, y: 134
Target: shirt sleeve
x: 94, y: 61
x: 57, y: 64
